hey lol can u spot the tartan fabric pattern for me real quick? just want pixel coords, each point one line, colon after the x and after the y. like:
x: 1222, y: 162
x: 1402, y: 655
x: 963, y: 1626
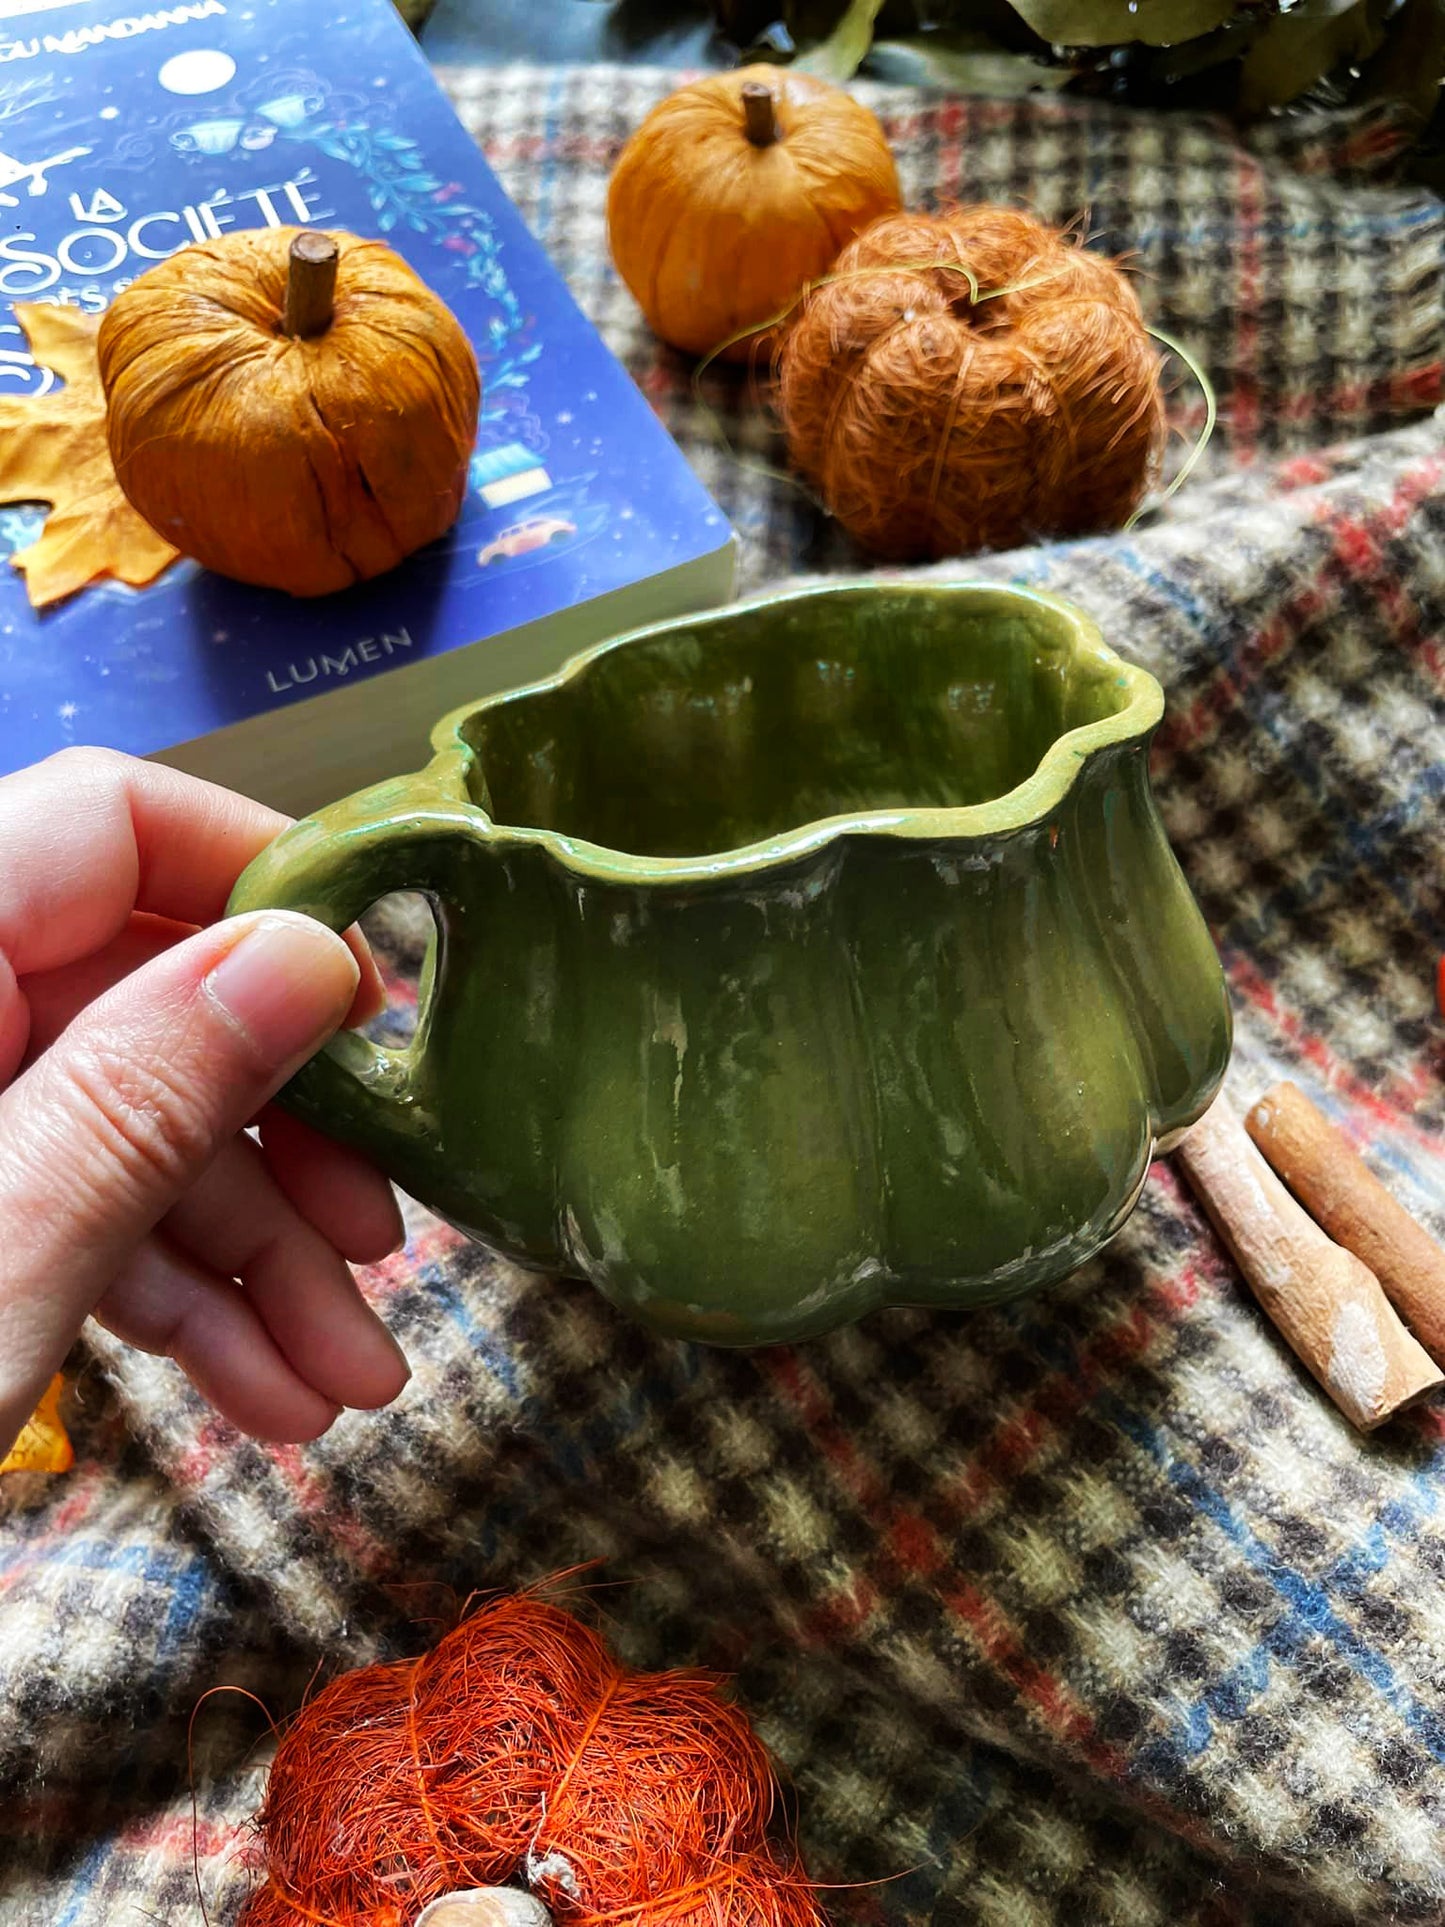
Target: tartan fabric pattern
x: 1089, y: 1608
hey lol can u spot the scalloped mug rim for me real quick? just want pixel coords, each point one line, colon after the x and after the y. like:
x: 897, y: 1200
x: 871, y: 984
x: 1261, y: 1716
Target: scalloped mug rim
x: 1022, y: 807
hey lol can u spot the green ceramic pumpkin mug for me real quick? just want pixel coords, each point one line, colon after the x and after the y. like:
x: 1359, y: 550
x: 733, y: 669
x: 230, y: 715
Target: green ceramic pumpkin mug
x: 820, y: 953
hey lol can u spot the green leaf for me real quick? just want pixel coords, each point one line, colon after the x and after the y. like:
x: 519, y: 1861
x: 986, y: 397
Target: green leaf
x: 1111, y: 23
x: 1330, y: 9
x: 808, y: 21
x: 1409, y: 66
x: 971, y: 63
x: 1294, y: 52
x: 843, y: 52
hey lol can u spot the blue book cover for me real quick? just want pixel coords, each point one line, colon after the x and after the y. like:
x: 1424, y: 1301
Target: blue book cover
x: 127, y: 135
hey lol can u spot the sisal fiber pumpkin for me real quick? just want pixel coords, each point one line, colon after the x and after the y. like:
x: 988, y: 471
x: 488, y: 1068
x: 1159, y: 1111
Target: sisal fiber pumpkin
x: 284, y: 427
x: 933, y: 423
x: 520, y: 1751
x: 734, y: 193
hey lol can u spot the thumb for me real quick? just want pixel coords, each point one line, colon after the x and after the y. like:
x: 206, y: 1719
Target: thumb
x: 112, y: 1124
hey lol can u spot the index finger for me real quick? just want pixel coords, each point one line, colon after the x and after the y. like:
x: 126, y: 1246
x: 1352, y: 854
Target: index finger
x: 89, y: 836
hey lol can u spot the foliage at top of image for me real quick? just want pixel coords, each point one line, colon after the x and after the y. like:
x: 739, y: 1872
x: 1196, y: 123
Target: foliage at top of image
x: 1243, y: 57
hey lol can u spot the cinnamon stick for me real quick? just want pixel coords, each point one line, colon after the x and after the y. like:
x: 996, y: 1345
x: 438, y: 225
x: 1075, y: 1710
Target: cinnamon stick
x: 1326, y: 1303
x: 310, y: 284
x: 485, y: 1907
x: 1338, y: 1189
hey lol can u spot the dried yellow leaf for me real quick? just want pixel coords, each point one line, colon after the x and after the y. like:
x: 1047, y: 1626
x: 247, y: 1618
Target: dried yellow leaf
x: 53, y: 449
x: 43, y: 1445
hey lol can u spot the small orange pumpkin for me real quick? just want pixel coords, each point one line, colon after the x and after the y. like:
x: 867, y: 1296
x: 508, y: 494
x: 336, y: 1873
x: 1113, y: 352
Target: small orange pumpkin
x: 292, y: 409
x: 734, y: 193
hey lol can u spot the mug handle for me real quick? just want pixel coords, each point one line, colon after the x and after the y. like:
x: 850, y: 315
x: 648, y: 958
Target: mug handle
x: 333, y: 866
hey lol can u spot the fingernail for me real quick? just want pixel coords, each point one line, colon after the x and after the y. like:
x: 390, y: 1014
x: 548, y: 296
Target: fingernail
x: 388, y: 1369
x: 288, y: 982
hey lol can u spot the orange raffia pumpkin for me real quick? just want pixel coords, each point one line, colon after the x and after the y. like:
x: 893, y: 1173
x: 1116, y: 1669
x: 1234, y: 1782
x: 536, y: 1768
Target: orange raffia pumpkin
x: 734, y: 193
x: 290, y: 408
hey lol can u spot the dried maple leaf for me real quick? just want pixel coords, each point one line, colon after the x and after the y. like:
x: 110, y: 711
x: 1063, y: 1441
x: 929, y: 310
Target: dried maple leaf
x: 53, y: 449
x: 42, y: 1446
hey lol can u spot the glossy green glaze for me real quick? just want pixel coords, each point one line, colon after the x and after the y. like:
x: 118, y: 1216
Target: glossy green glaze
x: 821, y: 953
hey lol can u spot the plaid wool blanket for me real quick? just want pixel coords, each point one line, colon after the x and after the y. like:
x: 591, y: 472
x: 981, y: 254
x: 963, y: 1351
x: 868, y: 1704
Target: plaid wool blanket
x: 1089, y: 1609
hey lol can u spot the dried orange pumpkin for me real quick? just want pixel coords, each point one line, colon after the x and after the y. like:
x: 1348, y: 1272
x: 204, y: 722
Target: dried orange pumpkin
x: 290, y: 408
x: 734, y: 193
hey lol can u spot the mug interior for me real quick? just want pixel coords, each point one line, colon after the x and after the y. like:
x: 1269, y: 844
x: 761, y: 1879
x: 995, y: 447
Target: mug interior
x: 755, y: 722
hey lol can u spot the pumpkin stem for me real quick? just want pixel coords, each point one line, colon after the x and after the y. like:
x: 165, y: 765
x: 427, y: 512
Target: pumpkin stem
x: 310, y: 284
x: 759, y: 113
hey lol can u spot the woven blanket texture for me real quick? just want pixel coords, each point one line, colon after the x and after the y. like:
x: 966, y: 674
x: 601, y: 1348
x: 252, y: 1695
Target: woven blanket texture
x: 1089, y: 1609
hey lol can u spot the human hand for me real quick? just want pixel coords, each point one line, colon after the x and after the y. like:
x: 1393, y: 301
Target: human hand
x: 134, y: 1050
